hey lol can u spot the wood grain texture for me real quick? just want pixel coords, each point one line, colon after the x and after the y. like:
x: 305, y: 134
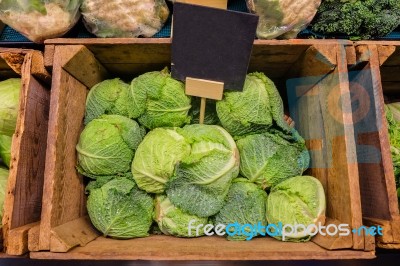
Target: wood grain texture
x: 64, y: 198
x: 25, y: 184
x: 333, y: 242
x: 18, y: 239
x: 378, y: 189
x: 204, y: 248
x: 78, y: 232
x: 33, y: 238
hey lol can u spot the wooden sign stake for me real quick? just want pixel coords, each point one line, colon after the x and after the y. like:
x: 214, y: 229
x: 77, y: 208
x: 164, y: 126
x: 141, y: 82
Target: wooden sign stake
x: 200, y: 87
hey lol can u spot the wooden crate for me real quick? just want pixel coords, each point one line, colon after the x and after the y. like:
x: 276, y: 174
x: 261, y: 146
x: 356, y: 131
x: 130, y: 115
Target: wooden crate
x: 22, y: 207
x: 65, y: 231
x: 377, y: 73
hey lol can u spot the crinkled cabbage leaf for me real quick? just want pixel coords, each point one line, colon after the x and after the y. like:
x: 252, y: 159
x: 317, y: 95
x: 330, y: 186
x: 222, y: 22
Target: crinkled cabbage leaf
x: 173, y: 221
x: 9, y: 105
x: 107, y: 144
x: 120, y: 210
x: 156, y: 157
x: 202, y: 179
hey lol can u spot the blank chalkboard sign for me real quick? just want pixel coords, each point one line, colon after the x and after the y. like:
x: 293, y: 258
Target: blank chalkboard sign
x: 212, y: 44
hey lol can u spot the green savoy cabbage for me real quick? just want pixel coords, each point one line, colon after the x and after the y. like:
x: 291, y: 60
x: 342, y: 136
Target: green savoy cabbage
x: 120, y: 210
x: 298, y: 200
x: 9, y: 105
x: 157, y: 100
x: 107, y: 97
x: 202, y: 179
x: 254, y: 110
x: 156, y: 157
x: 245, y: 204
x: 3, y: 188
x: 271, y: 157
x: 173, y: 221
x: 5, y: 149
x: 107, y: 144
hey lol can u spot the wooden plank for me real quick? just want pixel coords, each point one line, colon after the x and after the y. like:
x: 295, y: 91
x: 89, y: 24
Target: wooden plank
x: 204, y: 88
x: 384, y: 52
x: 91, y: 74
x: 14, y: 60
x: 18, y: 239
x: 38, y: 69
x: 389, y: 55
x: 25, y: 184
x: 64, y: 189
x: 333, y: 242
x: 49, y: 57
x: 78, y: 232
x: 223, y: 4
x: 391, y: 229
x: 33, y: 238
x: 203, y: 248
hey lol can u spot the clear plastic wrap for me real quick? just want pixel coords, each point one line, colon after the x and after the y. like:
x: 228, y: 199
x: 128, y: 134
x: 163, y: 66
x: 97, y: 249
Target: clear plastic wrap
x: 282, y: 19
x: 39, y: 20
x: 124, y: 18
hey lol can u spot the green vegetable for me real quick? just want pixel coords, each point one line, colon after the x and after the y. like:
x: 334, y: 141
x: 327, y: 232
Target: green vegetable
x: 158, y: 100
x: 173, y: 221
x: 9, y: 105
x: 392, y: 116
x: 5, y: 149
x: 245, y: 204
x: 210, y: 116
x: 255, y: 110
x: 107, y: 145
x: 156, y: 158
x: 202, y: 179
x: 107, y: 97
x: 298, y: 200
x: 269, y: 158
x: 120, y: 210
x: 3, y: 188
x: 359, y: 19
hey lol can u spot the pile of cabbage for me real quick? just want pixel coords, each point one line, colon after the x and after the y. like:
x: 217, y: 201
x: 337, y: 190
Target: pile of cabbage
x: 9, y: 107
x: 153, y: 168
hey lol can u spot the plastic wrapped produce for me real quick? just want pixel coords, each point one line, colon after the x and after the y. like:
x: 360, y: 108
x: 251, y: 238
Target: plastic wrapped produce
x: 282, y: 19
x: 124, y: 18
x: 39, y: 20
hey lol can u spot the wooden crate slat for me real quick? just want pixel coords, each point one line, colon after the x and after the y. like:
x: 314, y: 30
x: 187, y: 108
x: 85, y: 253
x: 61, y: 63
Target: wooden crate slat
x: 203, y: 248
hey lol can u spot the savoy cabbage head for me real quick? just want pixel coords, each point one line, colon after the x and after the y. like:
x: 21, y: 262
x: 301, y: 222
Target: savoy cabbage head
x: 298, y: 200
x: 156, y: 158
x: 9, y: 105
x: 107, y: 97
x: 3, y: 188
x: 158, y: 100
x: 254, y: 110
x: 202, y: 179
x: 120, y: 210
x: 107, y: 144
x: 173, y: 221
x: 271, y: 157
x: 5, y: 149
x: 245, y: 204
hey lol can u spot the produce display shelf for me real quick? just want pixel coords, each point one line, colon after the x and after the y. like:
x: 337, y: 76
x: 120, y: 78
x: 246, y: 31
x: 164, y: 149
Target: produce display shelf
x: 308, y: 74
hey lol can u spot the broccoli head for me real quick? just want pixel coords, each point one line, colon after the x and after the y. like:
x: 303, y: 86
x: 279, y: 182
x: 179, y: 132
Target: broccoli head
x: 359, y: 19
